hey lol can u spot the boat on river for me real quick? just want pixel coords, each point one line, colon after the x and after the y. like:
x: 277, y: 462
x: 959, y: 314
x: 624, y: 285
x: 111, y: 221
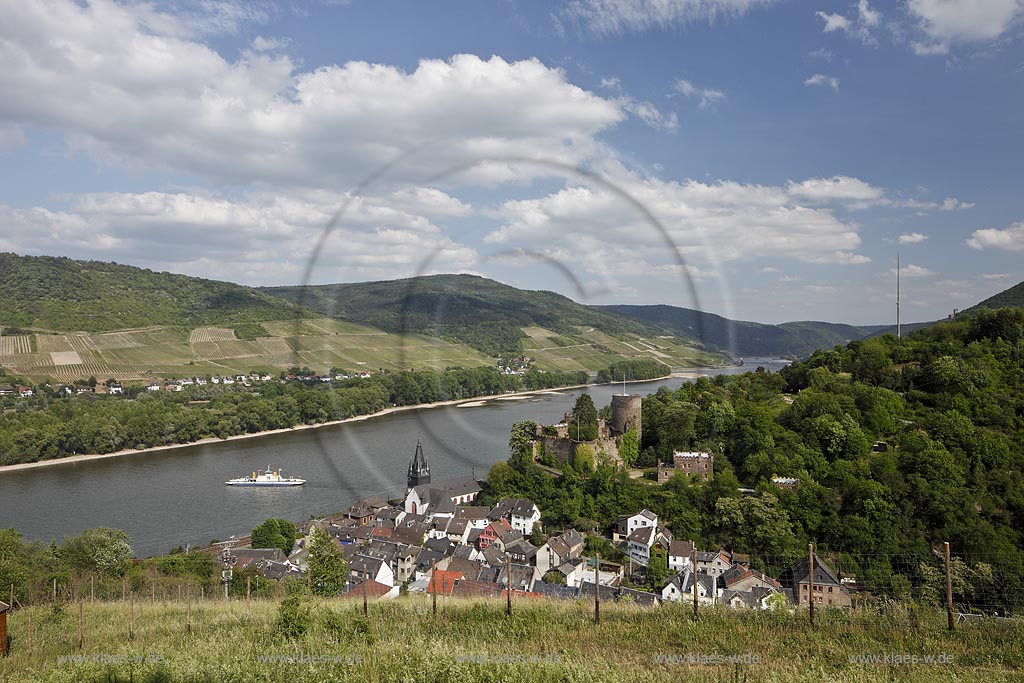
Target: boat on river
x: 266, y: 477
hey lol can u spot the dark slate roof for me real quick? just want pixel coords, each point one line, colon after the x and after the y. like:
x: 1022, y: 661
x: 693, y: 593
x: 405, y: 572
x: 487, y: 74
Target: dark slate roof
x: 639, y: 597
x: 522, y: 576
x: 680, y: 549
x: 450, y: 488
x: 554, y: 590
x: 797, y: 574
x: 472, y: 512
x: 468, y: 568
x: 466, y: 588
x: 643, y: 535
x: 426, y: 558
x: 440, y: 545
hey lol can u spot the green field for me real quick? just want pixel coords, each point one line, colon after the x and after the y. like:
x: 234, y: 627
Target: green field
x: 318, y: 343
x: 473, y: 640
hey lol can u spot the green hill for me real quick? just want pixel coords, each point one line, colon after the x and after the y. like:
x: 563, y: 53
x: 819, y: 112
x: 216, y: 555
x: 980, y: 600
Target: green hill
x: 55, y: 293
x: 485, y: 314
x: 1008, y: 298
x: 741, y: 337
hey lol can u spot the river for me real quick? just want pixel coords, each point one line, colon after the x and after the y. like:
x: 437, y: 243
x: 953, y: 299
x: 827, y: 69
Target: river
x: 176, y: 497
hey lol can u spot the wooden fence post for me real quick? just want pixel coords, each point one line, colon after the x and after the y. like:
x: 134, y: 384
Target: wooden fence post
x: 81, y: 624
x: 810, y: 580
x: 55, y: 591
x: 693, y: 571
x: 92, y: 590
x: 949, y: 589
x: 597, y: 588
x: 433, y: 578
x: 188, y: 624
x: 12, y: 596
x: 365, y: 609
x: 30, y: 634
x: 248, y: 596
x: 508, y: 584
x: 131, y: 618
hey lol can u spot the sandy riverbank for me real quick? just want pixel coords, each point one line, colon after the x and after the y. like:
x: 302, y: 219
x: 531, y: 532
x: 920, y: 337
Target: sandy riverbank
x: 474, y: 401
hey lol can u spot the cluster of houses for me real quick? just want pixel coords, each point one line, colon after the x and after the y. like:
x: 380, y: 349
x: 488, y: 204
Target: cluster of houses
x: 439, y: 541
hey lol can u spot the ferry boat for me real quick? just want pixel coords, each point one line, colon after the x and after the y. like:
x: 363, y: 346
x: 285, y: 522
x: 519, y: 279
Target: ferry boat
x: 266, y: 477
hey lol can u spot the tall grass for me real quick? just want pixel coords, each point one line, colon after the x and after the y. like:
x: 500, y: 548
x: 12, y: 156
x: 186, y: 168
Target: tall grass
x: 473, y: 640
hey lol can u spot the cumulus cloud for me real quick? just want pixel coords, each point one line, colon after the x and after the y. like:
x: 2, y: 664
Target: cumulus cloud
x: 611, y: 17
x: 145, y: 95
x: 1009, y: 239
x: 945, y: 23
x: 911, y: 238
x: 262, y: 238
x: 713, y: 222
x: 822, y: 79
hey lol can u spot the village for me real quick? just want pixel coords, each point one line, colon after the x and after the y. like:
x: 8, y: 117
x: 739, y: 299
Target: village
x: 438, y: 540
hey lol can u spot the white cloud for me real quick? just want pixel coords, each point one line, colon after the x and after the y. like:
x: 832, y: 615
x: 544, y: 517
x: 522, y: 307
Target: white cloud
x: 855, y: 193
x: 994, y: 276
x: 790, y: 278
x: 610, y: 17
x: 611, y: 84
x: 910, y: 270
x: 1010, y: 239
x: 822, y: 54
x: 649, y: 114
x: 708, y: 97
x: 822, y: 79
x: 713, y: 223
x: 261, y: 238
x: 834, y: 22
x: 954, y: 204
x: 945, y: 23
x: 911, y: 238
x: 859, y: 27
x: 122, y: 83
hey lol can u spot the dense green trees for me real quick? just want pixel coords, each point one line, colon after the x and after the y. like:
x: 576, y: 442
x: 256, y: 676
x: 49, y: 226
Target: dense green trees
x: 328, y: 569
x: 275, y: 533
x: 46, y: 429
x: 948, y: 403
x: 584, y: 419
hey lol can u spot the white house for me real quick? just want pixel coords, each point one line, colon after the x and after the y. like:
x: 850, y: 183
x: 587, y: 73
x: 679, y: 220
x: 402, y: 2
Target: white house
x: 680, y: 554
x: 521, y: 513
x: 627, y: 524
x: 680, y: 588
x: 372, y: 568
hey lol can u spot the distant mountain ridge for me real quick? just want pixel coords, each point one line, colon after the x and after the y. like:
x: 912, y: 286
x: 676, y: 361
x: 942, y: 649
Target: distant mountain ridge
x: 741, y: 337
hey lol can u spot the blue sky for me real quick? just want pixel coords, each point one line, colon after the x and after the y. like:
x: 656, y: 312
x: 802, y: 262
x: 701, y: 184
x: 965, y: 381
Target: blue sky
x: 774, y: 154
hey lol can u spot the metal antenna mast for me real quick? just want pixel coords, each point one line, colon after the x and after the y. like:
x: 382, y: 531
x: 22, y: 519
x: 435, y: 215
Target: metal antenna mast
x: 899, y: 334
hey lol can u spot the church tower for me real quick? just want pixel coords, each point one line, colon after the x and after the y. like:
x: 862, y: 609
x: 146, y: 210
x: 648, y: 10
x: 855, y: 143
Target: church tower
x: 419, y: 470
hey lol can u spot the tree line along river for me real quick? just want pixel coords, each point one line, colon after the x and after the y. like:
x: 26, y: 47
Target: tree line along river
x: 174, y: 497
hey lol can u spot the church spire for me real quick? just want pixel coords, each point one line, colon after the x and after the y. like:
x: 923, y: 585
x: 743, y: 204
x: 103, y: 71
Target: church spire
x: 419, y: 470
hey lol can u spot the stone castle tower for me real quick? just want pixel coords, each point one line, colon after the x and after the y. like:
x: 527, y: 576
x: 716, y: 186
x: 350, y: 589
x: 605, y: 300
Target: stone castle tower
x: 419, y: 470
x: 626, y: 413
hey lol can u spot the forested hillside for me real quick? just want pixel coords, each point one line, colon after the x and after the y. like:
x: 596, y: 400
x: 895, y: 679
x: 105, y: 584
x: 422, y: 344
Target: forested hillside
x: 1012, y: 297
x: 485, y: 314
x: 949, y: 403
x: 67, y: 295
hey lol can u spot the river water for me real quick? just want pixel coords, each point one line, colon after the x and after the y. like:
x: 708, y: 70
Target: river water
x: 175, y: 497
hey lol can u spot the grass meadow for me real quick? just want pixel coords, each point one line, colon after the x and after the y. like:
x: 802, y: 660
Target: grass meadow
x: 474, y: 640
